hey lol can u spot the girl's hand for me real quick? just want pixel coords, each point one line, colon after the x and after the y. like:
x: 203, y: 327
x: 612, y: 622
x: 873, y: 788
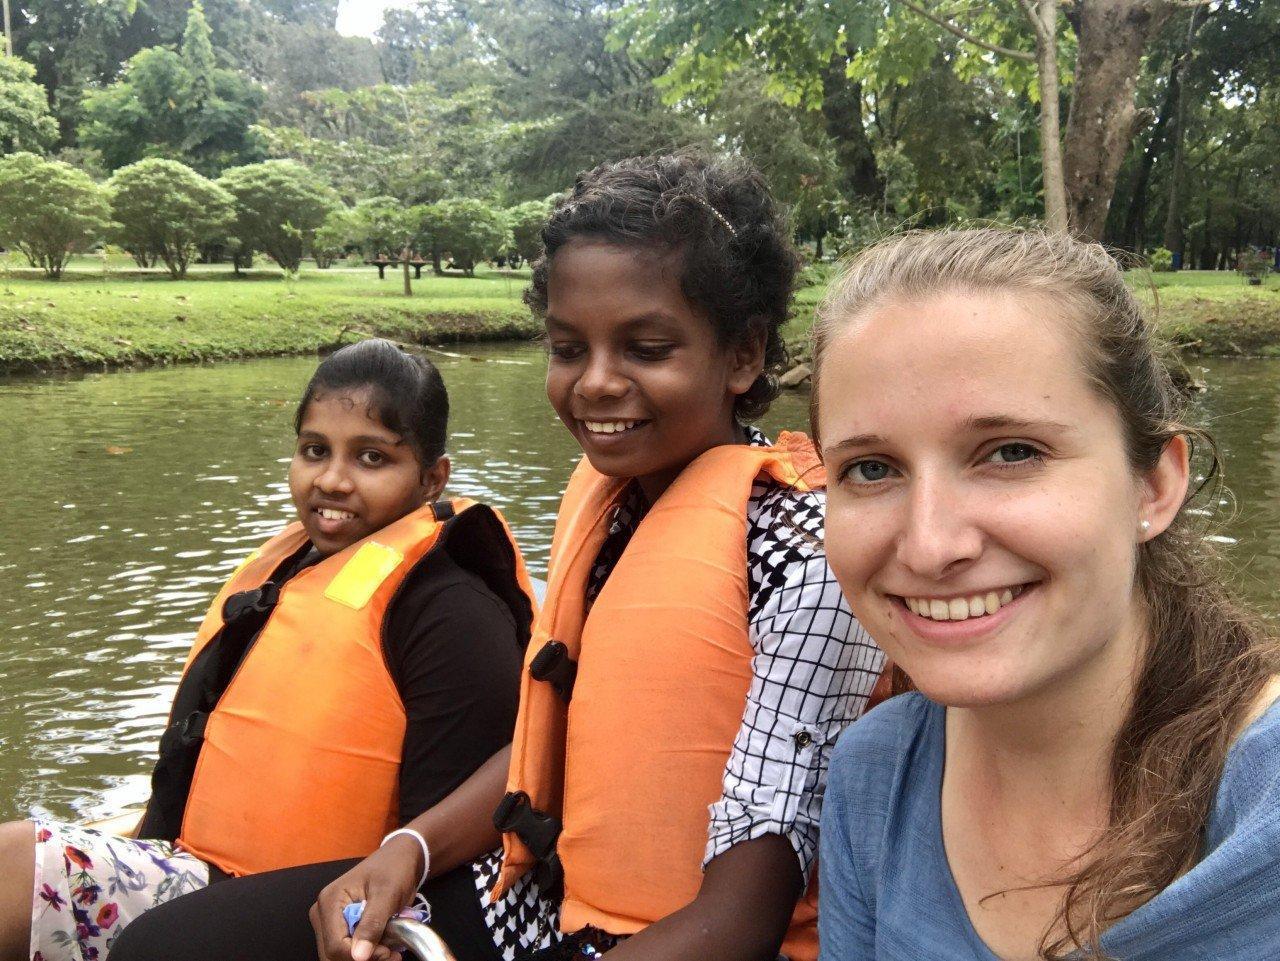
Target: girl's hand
x: 386, y: 881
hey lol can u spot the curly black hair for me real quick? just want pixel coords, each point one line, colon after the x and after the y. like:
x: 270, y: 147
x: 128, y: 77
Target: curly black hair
x: 737, y: 263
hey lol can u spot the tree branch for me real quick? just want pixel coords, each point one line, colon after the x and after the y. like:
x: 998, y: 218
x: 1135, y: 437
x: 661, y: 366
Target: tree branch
x: 965, y: 35
x: 1033, y: 15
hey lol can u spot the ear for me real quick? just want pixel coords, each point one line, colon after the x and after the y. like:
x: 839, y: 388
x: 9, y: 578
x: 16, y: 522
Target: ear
x: 1164, y: 489
x: 434, y: 479
x: 747, y: 359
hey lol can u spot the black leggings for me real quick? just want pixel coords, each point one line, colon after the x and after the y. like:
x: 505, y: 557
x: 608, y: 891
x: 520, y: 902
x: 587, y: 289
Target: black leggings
x: 263, y: 917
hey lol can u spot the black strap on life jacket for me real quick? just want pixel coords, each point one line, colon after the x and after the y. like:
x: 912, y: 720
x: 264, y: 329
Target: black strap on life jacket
x: 553, y: 665
x: 539, y: 831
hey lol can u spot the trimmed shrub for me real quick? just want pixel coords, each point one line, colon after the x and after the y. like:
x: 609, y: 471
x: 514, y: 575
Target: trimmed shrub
x: 49, y: 210
x: 279, y: 206
x: 469, y: 231
x: 167, y: 210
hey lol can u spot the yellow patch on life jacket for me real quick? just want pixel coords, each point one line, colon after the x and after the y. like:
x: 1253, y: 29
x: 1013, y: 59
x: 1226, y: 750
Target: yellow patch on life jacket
x: 253, y: 556
x: 361, y: 576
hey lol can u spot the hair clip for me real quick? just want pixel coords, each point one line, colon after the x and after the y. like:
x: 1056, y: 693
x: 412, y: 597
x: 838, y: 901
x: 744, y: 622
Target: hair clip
x: 715, y: 213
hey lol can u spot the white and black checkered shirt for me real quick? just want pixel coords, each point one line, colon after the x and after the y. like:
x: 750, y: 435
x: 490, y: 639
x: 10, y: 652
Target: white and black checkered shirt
x: 813, y: 669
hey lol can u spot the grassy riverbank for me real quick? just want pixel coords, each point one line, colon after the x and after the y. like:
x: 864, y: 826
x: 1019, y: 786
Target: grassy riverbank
x: 1204, y: 313
x: 120, y: 316
x: 95, y: 319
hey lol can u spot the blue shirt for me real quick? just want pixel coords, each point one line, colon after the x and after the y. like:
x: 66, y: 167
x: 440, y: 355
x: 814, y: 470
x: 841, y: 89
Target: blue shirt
x: 887, y: 889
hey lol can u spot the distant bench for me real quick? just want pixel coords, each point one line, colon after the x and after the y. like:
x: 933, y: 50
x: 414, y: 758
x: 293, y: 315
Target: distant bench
x: 382, y: 262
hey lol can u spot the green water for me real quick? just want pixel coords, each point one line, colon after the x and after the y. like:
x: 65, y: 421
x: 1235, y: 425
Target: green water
x: 131, y: 496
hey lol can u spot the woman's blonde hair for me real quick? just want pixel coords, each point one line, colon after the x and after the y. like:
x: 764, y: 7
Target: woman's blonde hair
x: 1208, y: 658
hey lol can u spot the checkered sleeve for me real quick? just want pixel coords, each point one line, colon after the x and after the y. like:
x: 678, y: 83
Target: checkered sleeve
x: 813, y: 669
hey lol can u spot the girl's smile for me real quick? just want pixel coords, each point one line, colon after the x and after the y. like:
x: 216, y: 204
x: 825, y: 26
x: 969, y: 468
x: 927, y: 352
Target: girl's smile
x: 635, y: 371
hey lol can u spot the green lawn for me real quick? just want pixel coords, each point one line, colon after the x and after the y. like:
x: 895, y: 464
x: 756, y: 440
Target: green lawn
x: 96, y: 317
x: 1206, y: 312
x: 93, y: 317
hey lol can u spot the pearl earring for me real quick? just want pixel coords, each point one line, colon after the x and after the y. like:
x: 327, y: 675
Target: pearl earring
x: 1146, y: 526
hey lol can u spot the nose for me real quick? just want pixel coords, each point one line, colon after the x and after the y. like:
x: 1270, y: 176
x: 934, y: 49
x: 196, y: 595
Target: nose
x: 940, y: 535
x: 334, y: 479
x: 601, y: 378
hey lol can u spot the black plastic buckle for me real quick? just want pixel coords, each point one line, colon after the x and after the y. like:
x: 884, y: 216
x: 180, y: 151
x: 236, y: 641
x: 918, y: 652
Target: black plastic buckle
x: 538, y: 831
x: 548, y: 875
x: 259, y: 601
x: 180, y: 735
x: 192, y: 727
x: 552, y: 664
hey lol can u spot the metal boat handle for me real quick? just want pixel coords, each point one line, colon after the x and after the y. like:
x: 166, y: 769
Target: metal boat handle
x: 416, y: 937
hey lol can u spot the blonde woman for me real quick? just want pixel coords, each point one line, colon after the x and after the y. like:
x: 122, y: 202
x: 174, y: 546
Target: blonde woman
x: 1091, y: 759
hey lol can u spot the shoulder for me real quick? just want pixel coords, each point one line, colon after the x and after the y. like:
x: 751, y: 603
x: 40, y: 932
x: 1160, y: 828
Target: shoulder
x: 445, y: 612
x: 1250, y: 787
x: 879, y: 755
x: 884, y: 734
x: 786, y: 516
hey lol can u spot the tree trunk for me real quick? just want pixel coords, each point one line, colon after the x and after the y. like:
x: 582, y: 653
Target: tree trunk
x: 842, y: 111
x: 1174, y: 239
x: 408, y: 278
x: 1167, y: 125
x: 1055, y: 200
x: 436, y: 268
x: 1103, y: 120
x: 1133, y: 234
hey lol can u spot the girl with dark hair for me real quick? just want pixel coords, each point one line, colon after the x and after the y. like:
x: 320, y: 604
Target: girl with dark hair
x: 321, y: 705
x: 693, y: 663
x: 1090, y: 765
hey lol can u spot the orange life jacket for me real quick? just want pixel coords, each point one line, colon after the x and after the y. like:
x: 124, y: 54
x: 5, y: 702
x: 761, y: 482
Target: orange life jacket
x: 630, y: 764
x: 300, y: 758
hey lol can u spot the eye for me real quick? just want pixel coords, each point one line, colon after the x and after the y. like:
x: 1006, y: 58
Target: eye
x: 867, y: 471
x: 372, y: 458
x: 565, y: 350
x: 652, y: 350
x: 1015, y: 452
x: 312, y: 451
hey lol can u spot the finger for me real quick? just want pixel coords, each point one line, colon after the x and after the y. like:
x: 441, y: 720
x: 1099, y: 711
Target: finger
x: 331, y: 931
x: 379, y: 908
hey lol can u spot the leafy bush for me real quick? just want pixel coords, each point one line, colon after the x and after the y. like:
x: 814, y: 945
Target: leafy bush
x: 526, y: 221
x: 166, y: 209
x: 469, y: 231
x: 49, y: 210
x: 383, y: 225
x: 332, y: 238
x: 279, y: 206
x: 1161, y: 260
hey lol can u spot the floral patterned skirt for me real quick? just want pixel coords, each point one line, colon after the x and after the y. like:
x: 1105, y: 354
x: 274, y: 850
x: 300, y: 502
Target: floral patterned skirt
x: 90, y: 885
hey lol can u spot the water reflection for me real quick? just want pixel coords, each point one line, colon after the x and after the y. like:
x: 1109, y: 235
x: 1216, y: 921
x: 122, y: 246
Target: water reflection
x: 131, y: 497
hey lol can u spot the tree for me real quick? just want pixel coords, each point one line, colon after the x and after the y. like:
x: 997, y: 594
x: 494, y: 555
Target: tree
x: 179, y: 105
x: 167, y: 209
x: 467, y: 230
x: 1103, y: 40
x: 72, y: 45
x: 526, y: 221
x: 25, y: 122
x: 279, y: 206
x: 332, y: 238
x: 49, y: 210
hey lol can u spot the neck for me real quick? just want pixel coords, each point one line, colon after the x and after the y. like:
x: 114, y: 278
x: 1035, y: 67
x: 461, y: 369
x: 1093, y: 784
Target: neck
x: 1055, y: 745
x: 653, y: 485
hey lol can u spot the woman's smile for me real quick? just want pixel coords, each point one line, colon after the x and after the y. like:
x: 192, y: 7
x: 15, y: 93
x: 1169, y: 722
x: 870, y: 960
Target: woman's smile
x: 981, y: 517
